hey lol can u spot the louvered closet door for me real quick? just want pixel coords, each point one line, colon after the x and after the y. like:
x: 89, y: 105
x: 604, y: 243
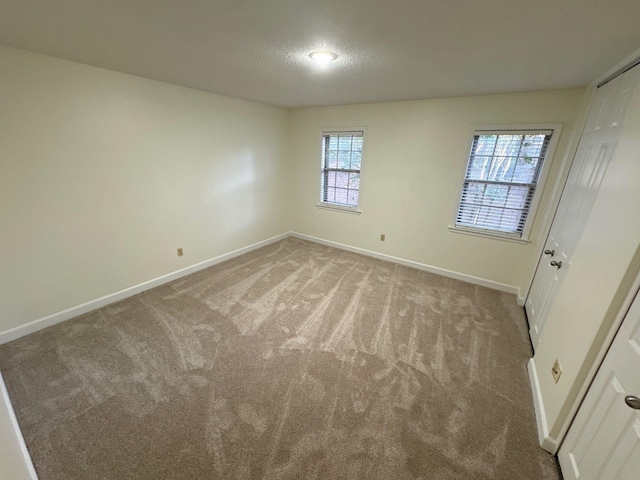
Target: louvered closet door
x: 596, y: 148
x: 604, y: 440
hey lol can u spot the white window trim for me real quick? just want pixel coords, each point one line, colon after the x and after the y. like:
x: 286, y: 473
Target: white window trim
x: 333, y: 206
x: 338, y: 208
x: 544, y: 173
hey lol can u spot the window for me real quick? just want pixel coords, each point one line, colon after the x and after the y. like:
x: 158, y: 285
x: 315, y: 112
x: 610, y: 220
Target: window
x: 341, y: 164
x: 502, y: 181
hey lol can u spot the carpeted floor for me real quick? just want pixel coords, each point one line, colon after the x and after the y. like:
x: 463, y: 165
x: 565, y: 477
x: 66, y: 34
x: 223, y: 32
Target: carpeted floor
x: 295, y: 361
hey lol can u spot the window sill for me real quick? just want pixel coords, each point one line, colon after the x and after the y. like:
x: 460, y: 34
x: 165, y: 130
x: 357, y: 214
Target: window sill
x: 489, y: 234
x: 337, y: 208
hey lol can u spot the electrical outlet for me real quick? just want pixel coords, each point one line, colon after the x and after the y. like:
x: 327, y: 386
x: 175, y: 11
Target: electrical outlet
x: 180, y: 252
x: 556, y: 371
x: 382, y: 237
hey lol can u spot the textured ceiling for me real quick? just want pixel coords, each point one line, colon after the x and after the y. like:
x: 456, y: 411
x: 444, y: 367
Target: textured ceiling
x: 388, y: 50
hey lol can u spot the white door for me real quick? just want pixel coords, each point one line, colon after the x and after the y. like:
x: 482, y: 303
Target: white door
x: 597, y: 145
x: 604, y: 440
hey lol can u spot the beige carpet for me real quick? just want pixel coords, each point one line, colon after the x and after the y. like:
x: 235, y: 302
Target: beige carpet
x: 295, y: 361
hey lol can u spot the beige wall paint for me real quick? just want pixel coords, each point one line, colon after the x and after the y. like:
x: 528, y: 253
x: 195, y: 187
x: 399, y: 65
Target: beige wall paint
x: 414, y: 159
x: 104, y: 175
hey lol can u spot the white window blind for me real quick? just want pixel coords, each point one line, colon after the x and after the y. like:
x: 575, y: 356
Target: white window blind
x: 341, y: 164
x: 501, y: 180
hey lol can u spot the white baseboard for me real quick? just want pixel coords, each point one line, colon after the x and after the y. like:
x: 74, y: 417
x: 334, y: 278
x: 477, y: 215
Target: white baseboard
x: 546, y: 442
x: 13, y: 439
x: 421, y: 266
x: 44, y: 322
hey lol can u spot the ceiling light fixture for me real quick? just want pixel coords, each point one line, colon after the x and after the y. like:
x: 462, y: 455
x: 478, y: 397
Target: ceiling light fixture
x: 323, y: 58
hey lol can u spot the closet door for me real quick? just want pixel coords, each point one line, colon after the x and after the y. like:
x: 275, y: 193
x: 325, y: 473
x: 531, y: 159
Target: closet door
x: 604, y: 440
x: 596, y: 148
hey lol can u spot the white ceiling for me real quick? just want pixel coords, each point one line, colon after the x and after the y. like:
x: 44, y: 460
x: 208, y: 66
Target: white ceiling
x: 388, y: 50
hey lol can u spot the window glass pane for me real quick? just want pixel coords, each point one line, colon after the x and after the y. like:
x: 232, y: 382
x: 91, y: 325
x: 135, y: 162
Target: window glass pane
x: 342, y: 160
x: 354, y: 181
x: 497, y: 219
x: 479, y: 167
x: 331, y: 179
x: 526, y: 170
x: 467, y: 213
x: 532, y: 145
x: 332, y: 161
x: 518, y: 197
x: 356, y: 160
x: 341, y: 195
x: 510, y: 221
x: 473, y: 193
x: 491, y: 196
x: 342, y: 179
x: 495, y: 195
x: 502, y: 169
x: 489, y: 217
x: 484, y: 144
x: 508, y: 145
x: 331, y: 194
x: 345, y: 143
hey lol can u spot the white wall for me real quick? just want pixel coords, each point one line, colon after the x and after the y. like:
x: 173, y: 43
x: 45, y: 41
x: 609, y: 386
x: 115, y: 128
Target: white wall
x: 414, y: 159
x: 103, y: 175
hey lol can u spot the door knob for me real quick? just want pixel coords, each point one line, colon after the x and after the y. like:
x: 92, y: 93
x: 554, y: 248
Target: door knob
x: 550, y: 252
x: 632, y: 401
x: 556, y: 264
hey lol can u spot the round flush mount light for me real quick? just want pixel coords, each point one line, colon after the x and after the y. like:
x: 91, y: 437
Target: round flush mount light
x: 323, y: 58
